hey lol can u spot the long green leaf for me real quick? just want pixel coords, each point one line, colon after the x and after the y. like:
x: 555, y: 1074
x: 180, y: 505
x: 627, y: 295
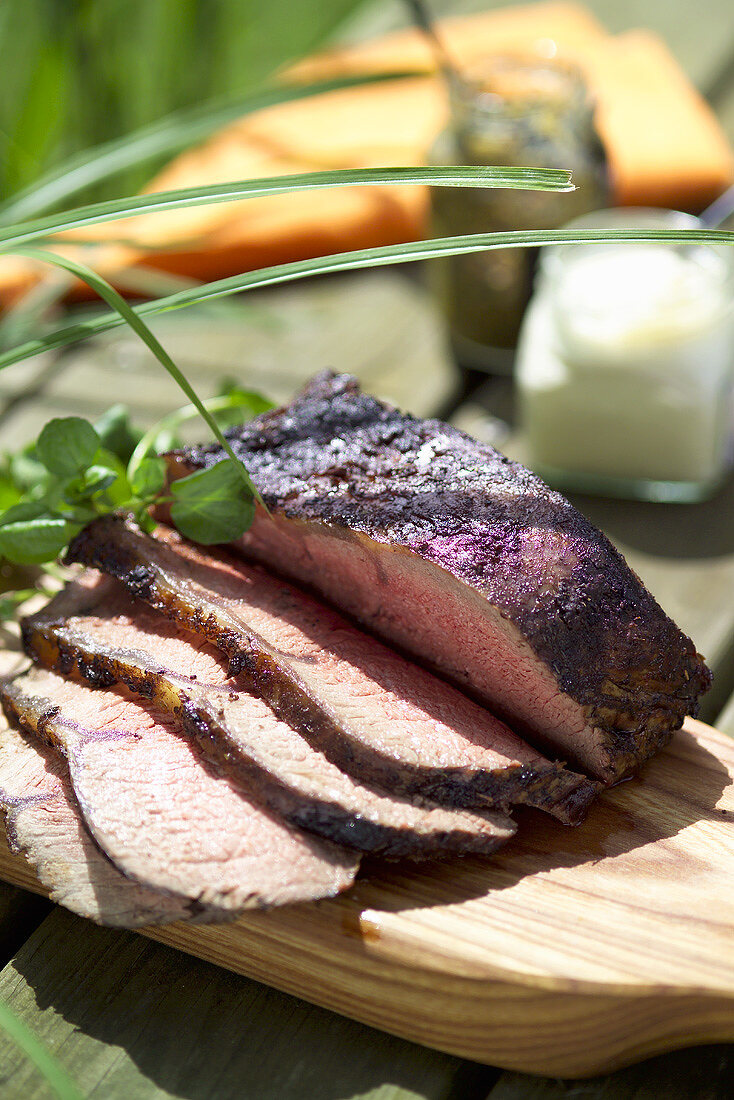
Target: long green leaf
x: 163, y: 138
x: 130, y: 317
x: 171, y: 422
x: 535, y: 179
x: 350, y: 261
x: 23, y: 1037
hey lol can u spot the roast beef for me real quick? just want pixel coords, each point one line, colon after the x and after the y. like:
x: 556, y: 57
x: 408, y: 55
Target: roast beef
x: 164, y: 817
x: 469, y: 561
x: 94, y: 630
x: 43, y: 822
x: 372, y: 712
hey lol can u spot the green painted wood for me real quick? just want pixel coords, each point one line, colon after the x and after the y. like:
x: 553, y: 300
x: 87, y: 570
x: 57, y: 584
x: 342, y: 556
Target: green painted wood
x: 705, y: 1073
x: 132, y: 1020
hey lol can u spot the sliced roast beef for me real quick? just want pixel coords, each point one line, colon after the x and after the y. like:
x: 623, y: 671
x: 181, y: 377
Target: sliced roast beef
x: 371, y: 711
x: 93, y: 629
x: 163, y: 816
x: 446, y: 548
x: 43, y: 822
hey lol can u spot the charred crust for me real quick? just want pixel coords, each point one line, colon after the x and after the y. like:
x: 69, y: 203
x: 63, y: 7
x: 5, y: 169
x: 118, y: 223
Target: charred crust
x: 340, y: 458
x: 324, y: 818
x: 97, y: 547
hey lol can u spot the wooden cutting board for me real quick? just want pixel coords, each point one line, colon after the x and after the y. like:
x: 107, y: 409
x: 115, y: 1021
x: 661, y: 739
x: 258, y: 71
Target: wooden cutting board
x: 571, y: 952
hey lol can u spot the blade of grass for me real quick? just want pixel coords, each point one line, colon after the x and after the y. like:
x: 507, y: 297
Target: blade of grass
x: 170, y: 423
x: 166, y: 137
x: 535, y: 179
x: 352, y: 261
x: 129, y: 316
x: 56, y: 1077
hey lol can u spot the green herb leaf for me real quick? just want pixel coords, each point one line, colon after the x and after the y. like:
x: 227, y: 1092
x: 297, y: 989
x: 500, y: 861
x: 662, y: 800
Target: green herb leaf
x: 233, y: 406
x: 28, y: 474
x: 9, y: 492
x: 145, y: 521
x: 67, y: 445
x: 30, y: 535
x: 149, y: 478
x: 93, y: 480
x: 210, y: 507
x: 116, y: 433
x: 118, y: 492
x: 128, y: 314
x: 241, y: 405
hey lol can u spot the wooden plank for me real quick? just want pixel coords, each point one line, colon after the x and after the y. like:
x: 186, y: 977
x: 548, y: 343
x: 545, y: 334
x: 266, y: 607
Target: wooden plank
x: 134, y: 1020
x: 500, y: 960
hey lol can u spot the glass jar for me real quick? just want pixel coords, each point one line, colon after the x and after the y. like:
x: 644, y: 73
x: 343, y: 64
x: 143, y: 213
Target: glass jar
x: 510, y: 112
x: 626, y: 361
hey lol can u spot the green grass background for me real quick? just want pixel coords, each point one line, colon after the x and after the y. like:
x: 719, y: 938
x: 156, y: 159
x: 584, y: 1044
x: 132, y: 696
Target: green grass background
x: 74, y: 73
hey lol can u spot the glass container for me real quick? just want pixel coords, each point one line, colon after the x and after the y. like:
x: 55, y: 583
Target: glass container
x: 513, y: 111
x: 625, y: 364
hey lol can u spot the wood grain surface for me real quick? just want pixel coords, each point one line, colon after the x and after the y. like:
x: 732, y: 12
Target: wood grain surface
x: 573, y: 951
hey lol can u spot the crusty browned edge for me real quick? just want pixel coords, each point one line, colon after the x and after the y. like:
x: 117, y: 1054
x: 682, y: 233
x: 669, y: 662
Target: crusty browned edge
x: 47, y: 646
x: 119, y: 548
x: 607, y: 642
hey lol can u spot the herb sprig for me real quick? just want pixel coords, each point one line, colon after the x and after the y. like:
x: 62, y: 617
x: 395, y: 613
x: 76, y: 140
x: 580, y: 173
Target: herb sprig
x: 77, y: 471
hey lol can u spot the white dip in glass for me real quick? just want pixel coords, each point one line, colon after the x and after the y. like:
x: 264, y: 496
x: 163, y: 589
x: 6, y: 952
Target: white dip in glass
x: 625, y: 363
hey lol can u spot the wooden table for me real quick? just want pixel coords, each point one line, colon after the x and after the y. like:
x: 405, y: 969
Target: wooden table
x: 132, y: 1019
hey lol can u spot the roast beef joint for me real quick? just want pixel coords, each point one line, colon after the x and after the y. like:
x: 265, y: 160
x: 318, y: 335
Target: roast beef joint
x: 415, y: 637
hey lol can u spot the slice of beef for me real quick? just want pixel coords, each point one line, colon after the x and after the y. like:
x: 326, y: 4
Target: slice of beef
x: 371, y: 711
x: 163, y: 816
x: 446, y: 548
x: 43, y: 822
x: 93, y: 629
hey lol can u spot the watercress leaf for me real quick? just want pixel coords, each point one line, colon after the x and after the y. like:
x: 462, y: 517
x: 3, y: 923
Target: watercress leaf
x: 116, y: 433
x: 9, y: 492
x: 149, y: 478
x: 119, y: 491
x: 212, y: 505
x: 166, y: 440
x: 145, y: 521
x: 28, y: 474
x: 254, y: 402
x: 93, y: 480
x: 67, y: 445
x: 29, y: 534
x: 242, y: 405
